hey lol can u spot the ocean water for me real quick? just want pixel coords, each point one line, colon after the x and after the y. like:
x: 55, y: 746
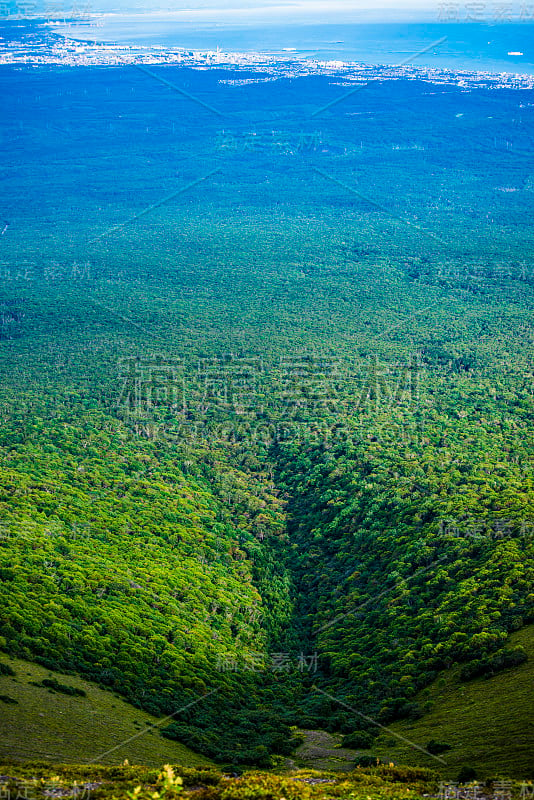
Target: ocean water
x: 468, y: 46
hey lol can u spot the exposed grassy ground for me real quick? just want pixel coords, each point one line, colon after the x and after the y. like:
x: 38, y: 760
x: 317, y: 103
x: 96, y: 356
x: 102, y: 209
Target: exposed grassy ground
x: 489, y: 722
x: 51, y: 726
x: 322, y: 750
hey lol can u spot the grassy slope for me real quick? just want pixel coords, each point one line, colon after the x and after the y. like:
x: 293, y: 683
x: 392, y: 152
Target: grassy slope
x: 51, y: 726
x: 488, y: 722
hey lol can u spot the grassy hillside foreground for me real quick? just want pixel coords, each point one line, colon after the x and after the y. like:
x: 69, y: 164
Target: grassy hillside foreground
x: 38, y: 722
x: 488, y: 722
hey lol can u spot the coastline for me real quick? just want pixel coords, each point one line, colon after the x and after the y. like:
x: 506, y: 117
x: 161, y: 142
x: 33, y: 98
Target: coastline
x: 47, y: 47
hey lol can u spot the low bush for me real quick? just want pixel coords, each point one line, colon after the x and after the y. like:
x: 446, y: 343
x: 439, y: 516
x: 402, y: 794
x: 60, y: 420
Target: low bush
x: 367, y: 761
x: 265, y: 787
x: 437, y: 747
x: 466, y: 774
x: 52, y: 683
x: 358, y: 740
x: 487, y: 667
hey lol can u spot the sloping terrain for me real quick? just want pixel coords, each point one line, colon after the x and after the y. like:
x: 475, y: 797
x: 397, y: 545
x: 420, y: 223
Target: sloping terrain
x: 488, y: 722
x: 38, y: 722
x: 485, y: 724
x: 268, y: 436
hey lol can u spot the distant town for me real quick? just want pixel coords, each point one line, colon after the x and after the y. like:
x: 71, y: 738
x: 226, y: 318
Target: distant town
x: 42, y: 45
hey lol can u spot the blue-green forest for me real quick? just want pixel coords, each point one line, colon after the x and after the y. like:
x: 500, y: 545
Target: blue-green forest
x: 266, y: 397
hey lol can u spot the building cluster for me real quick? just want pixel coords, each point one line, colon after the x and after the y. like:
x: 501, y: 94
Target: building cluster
x: 50, y: 48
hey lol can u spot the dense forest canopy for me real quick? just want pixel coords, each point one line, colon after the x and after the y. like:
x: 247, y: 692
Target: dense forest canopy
x: 268, y: 437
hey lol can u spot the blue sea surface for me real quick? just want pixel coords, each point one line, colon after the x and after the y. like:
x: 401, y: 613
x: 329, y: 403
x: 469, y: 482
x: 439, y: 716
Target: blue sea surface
x: 468, y: 46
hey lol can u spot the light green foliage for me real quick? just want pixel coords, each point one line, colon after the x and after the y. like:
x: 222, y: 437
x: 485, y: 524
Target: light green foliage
x: 379, y: 513
x: 486, y: 722
x: 168, y: 787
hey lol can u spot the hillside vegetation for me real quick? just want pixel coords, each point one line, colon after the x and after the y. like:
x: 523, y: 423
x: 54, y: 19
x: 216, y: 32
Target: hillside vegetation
x: 40, y: 722
x: 266, y: 451
x: 171, y: 782
x: 487, y: 722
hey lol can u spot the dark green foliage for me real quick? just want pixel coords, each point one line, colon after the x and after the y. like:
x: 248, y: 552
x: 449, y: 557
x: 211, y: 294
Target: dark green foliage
x: 487, y: 667
x: 247, y: 733
x: 404, y: 774
x: 380, y: 516
x: 436, y: 748
x: 6, y: 699
x: 466, y: 774
x: 359, y: 740
x: 52, y: 683
x: 5, y: 669
x: 366, y: 761
x: 402, y: 606
x: 196, y: 776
